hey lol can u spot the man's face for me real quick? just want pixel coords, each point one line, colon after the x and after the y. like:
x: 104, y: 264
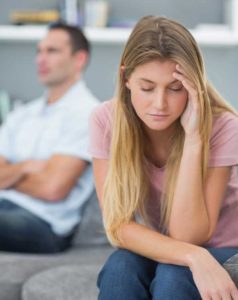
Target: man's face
x: 55, y: 61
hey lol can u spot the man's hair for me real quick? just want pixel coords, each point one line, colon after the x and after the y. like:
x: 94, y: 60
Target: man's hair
x: 77, y: 39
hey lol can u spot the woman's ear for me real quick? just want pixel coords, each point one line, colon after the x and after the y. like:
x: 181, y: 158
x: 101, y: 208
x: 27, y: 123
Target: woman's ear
x: 127, y: 84
x: 122, y: 70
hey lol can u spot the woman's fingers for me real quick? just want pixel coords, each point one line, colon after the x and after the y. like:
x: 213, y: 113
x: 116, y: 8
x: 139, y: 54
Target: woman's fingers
x: 234, y: 293
x: 179, y: 75
x: 212, y: 280
x: 190, y: 116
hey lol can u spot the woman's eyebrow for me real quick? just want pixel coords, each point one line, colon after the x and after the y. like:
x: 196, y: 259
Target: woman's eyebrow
x: 146, y: 80
x: 150, y: 81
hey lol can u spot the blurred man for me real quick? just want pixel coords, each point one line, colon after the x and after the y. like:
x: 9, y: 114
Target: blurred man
x: 45, y: 175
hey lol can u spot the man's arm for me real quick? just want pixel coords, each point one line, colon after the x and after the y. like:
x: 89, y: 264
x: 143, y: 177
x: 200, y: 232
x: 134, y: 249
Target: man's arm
x: 10, y: 174
x: 55, y: 180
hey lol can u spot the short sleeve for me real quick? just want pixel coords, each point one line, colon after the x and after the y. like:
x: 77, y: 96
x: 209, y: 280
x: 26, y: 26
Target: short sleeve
x: 74, y: 139
x: 7, y: 132
x: 4, y: 141
x: 224, y: 141
x: 100, y: 125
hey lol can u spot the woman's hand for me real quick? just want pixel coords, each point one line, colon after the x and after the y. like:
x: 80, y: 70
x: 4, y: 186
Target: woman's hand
x: 211, y: 279
x: 190, y: 116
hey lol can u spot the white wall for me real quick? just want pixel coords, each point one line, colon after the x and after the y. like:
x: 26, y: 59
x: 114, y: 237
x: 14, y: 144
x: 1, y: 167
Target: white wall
x: 18, y: 74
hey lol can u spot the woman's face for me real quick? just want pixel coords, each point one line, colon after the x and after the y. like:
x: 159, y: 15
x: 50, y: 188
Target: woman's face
x: 157, y: 97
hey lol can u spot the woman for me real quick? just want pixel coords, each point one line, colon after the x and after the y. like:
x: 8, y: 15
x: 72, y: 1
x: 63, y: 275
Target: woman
x: 165, y: 156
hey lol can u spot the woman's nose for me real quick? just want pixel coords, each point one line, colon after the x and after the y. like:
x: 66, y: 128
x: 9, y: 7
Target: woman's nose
x: 160, y: 101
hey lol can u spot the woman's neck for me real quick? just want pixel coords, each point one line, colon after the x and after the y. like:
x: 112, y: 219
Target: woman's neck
x: 158, y: 145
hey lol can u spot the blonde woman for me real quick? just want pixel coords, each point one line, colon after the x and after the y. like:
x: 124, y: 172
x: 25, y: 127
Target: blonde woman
x: 165, y: 154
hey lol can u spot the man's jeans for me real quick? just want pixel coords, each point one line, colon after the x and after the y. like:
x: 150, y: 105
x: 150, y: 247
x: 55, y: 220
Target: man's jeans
x: 21, y: 231
x: 128, y: 276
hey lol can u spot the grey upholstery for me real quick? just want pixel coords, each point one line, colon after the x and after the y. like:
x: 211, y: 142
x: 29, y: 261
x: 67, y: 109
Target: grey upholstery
x: 63, y: 283
x: 91, y: 230
x: 18, y: 268
x: 78, y: 282
x: 65, y: 276
x: 89, y: 251
x: 231, y: 265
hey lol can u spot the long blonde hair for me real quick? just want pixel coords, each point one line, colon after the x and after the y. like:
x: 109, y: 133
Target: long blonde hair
x: 126, y: 188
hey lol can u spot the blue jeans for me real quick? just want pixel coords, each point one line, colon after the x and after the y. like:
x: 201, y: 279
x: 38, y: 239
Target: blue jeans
x: 129, y: 276
x: 21, y: 231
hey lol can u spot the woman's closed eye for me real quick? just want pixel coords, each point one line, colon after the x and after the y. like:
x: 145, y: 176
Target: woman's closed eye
x: 175, y: 88
x: 147, y: 89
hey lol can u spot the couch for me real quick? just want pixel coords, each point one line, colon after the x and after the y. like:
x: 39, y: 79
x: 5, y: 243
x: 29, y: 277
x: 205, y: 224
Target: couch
x: 70, y: 275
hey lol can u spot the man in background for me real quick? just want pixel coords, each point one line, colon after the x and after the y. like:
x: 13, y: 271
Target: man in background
x: 45, y: 171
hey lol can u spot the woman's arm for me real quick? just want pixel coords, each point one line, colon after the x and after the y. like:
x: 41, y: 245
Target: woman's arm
x: 196, y: 205
x: 207, y: 273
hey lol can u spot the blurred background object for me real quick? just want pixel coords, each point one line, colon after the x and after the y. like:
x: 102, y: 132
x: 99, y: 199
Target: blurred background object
x: 190, y: 13
x: 5, y: 105
x: 69, y: 12
x: 96, y: 13
x: 213, y: 23
x: 34, y: 16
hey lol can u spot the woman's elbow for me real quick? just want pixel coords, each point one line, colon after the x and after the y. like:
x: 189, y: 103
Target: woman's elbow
x: 196, y: 237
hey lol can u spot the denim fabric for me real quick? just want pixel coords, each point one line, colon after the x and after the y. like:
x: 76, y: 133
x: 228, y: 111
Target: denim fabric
x: 21, y: 231
x: 129, y: 276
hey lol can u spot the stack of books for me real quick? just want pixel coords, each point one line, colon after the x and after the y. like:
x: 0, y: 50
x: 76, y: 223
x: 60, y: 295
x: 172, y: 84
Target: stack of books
x: 34, y: 16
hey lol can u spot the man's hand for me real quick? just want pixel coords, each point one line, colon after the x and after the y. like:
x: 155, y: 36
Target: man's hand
x: 34, y: 166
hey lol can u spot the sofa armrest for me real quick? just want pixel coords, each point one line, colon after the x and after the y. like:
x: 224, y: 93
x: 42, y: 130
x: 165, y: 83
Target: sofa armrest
x: 231, y: 265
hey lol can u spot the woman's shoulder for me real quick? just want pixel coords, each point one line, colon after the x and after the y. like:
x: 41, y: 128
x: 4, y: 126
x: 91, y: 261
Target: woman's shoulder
x: 225, y: 125
x: 102, y: 115
x: 224, y: 140
x: 104, y: 109
x: 225, y: 120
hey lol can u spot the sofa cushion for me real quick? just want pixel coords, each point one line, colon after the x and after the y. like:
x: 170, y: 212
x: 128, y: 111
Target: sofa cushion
x: 90, y: 231
x: 63, y: 283
x: 17, y: 268
x: 79, y: 282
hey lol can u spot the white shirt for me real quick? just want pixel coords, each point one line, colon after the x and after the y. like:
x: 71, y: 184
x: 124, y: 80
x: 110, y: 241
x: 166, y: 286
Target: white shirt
x: 39, y: 130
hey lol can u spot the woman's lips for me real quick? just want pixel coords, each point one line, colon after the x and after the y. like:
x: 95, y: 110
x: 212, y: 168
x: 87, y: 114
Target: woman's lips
x: 159, y: 116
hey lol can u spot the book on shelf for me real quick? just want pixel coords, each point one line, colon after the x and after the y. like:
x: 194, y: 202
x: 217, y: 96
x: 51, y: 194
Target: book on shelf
x: 34, y: 16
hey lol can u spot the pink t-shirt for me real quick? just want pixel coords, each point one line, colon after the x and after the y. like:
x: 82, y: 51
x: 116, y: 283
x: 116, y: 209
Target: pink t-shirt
x: 223, y: 152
